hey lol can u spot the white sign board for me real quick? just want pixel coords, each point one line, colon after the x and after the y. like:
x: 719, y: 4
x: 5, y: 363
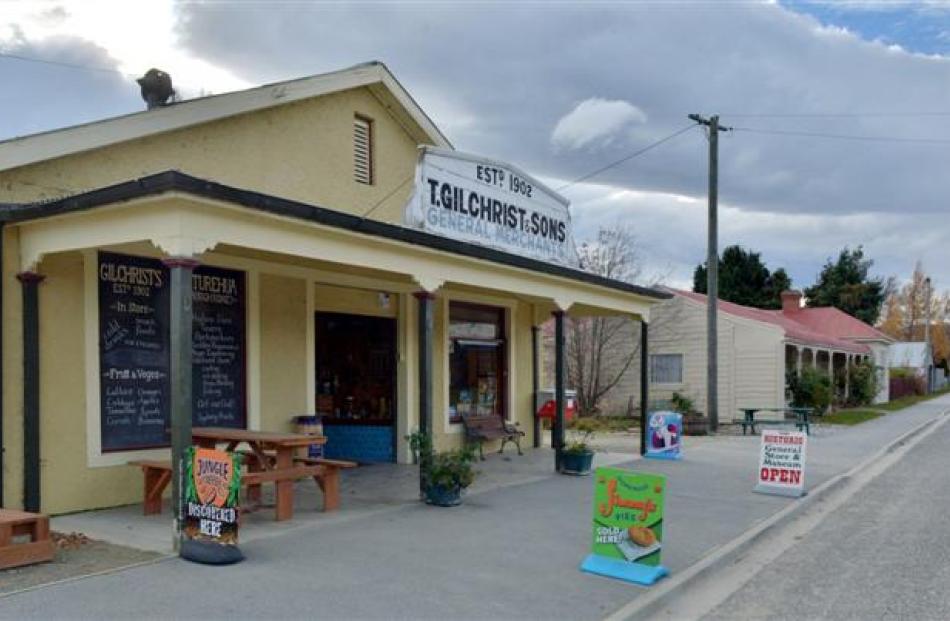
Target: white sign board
x: 782, y: 463
x: 481, y: 201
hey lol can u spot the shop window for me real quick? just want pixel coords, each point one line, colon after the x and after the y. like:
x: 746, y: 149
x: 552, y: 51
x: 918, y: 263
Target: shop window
x: 478, y: 361
x: 666, y: 368
x: 363, y: 150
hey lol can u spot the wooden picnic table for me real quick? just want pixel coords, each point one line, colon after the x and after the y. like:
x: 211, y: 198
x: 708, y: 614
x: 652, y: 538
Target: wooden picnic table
x: 802, y: 418
x: 274, y: 458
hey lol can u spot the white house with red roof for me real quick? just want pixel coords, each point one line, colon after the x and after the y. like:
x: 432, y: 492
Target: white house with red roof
x: 757, y: 348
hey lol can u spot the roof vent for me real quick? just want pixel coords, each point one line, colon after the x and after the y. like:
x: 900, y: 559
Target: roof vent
x: 156, y: 88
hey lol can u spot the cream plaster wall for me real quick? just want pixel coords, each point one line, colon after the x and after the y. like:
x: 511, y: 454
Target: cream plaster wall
x: 283, y: 351
x: 66, y: 482
x: 330, y: 299
x: 302, y: 151
x: 12, y: 326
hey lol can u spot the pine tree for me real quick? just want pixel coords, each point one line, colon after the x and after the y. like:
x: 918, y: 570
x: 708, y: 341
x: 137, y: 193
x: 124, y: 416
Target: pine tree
x: 847, y: 285
x: 744, y: 279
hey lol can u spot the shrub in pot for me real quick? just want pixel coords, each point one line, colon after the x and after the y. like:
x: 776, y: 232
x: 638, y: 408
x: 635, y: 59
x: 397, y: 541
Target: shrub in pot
x: 447, y: 474
x: 444, y: 475
x: 577, y: 456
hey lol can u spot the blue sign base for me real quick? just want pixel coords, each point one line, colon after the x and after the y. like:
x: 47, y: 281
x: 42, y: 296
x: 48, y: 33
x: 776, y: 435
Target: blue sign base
x: 623, y: 570
x: 670, y: 456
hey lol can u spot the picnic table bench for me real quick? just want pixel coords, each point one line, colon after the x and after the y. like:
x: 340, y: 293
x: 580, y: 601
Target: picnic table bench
x: 478, y: 429
x: 270, y: 459
x: 802, y: 418
x: 38, y: 546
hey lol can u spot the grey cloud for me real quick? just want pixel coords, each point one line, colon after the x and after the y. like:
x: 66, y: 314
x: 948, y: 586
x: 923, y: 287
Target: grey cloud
x: 517, y: 69
x: 49, y: 96
x: 672, y: 232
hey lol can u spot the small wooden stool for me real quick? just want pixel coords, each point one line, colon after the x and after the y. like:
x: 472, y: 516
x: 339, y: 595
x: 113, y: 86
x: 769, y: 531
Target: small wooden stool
x: 38, y: 549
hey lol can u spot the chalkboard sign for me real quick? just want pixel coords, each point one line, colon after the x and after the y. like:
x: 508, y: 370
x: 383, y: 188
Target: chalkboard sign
x: 218, y: 348
x: 133, y: 352
x: 134, y: 356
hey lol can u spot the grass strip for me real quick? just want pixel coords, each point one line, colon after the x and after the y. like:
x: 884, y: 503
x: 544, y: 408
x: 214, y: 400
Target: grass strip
x: 903, y: 402
x: 850, y: 417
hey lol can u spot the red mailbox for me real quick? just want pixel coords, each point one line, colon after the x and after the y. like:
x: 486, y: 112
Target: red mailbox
x: 549, y: 409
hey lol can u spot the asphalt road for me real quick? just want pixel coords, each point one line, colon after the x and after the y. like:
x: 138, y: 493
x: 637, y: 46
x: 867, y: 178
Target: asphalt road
x: 885, y: 554
x: 506, y: 553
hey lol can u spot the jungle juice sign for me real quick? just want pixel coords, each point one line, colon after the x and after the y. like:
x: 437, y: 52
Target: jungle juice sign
x: 212, y: 486
x: 490, y: 203
x: 664, y: 435
x: 782, y: 463
x: 627, y: 526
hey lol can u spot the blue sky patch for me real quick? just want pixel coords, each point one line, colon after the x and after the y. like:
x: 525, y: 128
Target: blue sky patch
x: 915, y: 26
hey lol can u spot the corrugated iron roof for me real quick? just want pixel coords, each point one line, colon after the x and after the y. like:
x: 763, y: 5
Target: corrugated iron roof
x: 809, y: 332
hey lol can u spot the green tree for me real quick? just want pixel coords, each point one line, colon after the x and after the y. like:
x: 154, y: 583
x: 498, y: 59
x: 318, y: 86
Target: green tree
x: 847, y: 285
x: 744, y: 279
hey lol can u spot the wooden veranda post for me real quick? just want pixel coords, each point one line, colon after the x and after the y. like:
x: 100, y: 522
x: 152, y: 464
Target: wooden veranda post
x: 181, y: 320
x: 425, y: 300
x: 559, y: 392
x: 535, y: 383
x: 644, y: 385
x: 30, y: 282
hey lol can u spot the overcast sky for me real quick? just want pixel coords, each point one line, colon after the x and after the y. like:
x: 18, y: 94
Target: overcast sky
x: 562, y: 88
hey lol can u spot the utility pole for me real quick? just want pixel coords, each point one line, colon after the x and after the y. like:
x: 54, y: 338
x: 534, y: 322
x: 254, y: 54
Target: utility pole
x: 712, y: 271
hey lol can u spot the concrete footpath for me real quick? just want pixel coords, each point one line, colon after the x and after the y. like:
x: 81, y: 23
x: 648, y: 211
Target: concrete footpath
x: 509, y: 552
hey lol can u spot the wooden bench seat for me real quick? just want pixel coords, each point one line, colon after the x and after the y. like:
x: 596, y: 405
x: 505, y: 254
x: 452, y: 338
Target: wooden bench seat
x: 328, y: 478
x: 157, y: 476
x: 38, y: 547
x: 478, y: 429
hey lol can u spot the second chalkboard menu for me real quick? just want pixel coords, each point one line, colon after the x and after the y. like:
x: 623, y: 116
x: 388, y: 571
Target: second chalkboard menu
x: 218, y: 348
x: 134, y: 355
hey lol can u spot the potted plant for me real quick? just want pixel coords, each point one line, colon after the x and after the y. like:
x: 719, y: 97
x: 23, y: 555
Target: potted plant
x: 577, y: 457
x: 444, y: 475
x: 448, y: 473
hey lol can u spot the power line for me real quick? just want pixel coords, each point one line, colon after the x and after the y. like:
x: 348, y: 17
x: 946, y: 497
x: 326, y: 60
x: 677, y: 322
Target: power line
x: 59, y: 63
x: 784, y: 132
x: 834, y: 115
x: 66, y: 65
x: 626, y: 158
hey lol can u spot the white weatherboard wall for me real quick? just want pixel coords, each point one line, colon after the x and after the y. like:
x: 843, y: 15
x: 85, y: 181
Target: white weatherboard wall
x: 751, y: 359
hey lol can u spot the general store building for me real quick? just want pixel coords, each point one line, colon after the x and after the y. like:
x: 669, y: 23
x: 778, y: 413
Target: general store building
x: 284, y: 206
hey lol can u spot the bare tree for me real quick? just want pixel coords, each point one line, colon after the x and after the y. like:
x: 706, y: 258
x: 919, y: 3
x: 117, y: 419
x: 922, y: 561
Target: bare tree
x: 600, y: 350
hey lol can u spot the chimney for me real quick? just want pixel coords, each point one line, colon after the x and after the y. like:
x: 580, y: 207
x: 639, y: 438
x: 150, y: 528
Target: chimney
x: 791, y: 302
x: 156, y: 86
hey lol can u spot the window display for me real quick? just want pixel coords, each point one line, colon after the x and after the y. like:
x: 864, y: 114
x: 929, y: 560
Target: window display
x: 477, y: 361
